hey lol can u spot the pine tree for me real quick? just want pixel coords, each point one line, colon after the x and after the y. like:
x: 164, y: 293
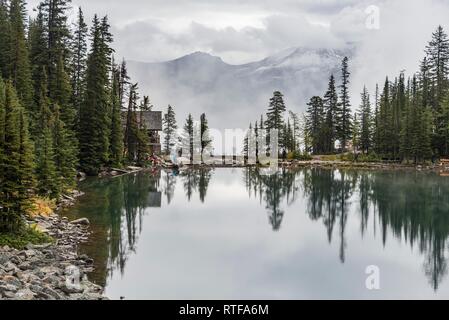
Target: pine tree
x: 376, y: 119
x: 356, y: 134
x: 58, y: 35
x: 124, y: 81
x: 117, y: 137
x: 65, y: 140
x: 62, y: 93
x: 275, y: 114
x: 246, y: 147
x: 19, y: 67
x: 132, y: 126
x: 37, y: 40
x: 275, y: 117
x: 188, y: 143
x: 407, y: 126
x: 169, y: 131
x: 79, y: 62
x: 330, y: 103
x: 344, y: 110
x: 438, y: 62
x: 65, y: 155
x: 2, y: 120
x: 365, y: 121
x: 204, y: 136
x: 143, y: 139
x: 95, y: 110
x: 5, y: 38
x: 385, y: 122
x: 49, y: 183
x: 261, y: 137
x: 314, y: 124
x: 26, y: 163
x: 296, y: 127
x: 16, y: 167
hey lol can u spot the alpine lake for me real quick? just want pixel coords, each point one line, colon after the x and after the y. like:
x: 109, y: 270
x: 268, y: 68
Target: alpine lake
x: 235, y: 233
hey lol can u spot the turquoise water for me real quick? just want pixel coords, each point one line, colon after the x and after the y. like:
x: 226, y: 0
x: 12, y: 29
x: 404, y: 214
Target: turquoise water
x: 237, y: 234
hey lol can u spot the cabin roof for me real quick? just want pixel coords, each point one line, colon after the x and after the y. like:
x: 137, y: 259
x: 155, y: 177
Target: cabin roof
x: 152, y: 119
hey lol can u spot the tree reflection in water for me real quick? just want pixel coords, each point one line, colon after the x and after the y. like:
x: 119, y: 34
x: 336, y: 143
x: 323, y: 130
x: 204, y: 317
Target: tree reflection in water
x: 413, y: 207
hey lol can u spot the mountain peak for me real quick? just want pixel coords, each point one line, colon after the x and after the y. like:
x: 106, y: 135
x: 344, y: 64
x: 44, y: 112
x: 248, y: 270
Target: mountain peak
x: 200, y: 56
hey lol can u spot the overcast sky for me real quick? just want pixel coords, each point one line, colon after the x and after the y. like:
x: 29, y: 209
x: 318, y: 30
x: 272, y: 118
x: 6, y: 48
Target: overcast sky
x: 241, y: 31
x: 246, y: 30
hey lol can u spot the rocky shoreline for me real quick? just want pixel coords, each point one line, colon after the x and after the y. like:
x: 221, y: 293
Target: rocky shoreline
x: 52, y: 271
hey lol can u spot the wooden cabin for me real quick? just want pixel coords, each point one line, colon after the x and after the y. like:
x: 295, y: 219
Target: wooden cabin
x: 152, y: 120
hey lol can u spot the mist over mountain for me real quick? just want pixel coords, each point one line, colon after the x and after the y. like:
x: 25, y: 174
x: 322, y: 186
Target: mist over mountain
x: 234, y: 95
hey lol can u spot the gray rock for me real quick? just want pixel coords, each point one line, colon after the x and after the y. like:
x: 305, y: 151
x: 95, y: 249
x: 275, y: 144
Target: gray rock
x: 9, y: 295
x: 10, y: 267
x: 82, y: 221
x: 70, y: 289
x: 25, y: 294
x: 53, y: 280
x: 30, y: 253
x: 52, y: 293
x: 10, y: 280
x: 8, y: 288
x: 24, y: 266
x: 16, y: 260
x: 38, y: 271
x: 4, y: 258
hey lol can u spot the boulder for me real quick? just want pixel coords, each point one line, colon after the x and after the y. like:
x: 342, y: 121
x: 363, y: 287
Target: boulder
x: 82, y: 222
x: 25, y: 294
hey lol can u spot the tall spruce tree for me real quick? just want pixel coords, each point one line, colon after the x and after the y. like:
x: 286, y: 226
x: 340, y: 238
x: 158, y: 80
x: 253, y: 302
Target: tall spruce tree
x: 344, y: 127
x: 37, y: 41
x: 275, y: 117
x: 58, y: 36
x: 365, y: 122
x: 132, y: 126
x: 117, y: 137
x: 204, y: 136
x: 437, y: 52
x: 94, y: 114
x: 16, y: 167
x: 5, y: 38
x: 65, y: 154
x: 296, y: 127
x: 79, y: 62
x: 330, y: 103
x: 49, y: 182
x: 437, y: 63
x: 143, y: 139
x: 188, y: 143
x: 314, y: 124
x: 19, y: 67
x: 275, y: 114
x: 169, y: 131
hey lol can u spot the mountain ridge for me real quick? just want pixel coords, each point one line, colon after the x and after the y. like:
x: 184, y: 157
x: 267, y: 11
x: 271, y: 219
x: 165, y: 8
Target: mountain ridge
x: 233, y: 95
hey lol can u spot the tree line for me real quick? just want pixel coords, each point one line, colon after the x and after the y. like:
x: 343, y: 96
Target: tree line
x: 408, y: 121
x: 62, y: 96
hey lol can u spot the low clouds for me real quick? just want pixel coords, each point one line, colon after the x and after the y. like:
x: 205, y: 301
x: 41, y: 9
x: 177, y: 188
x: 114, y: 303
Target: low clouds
x: 147, y: 41
x: 239, y: 31
x: 244, y: 31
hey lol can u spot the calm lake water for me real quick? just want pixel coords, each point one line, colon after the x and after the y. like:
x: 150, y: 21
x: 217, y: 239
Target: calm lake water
x: 237, y: 234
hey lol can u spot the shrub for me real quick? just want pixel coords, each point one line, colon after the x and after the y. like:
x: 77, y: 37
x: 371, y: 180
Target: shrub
x: 41, y: 207
x: 297, y: 155
x: 24, y: 236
